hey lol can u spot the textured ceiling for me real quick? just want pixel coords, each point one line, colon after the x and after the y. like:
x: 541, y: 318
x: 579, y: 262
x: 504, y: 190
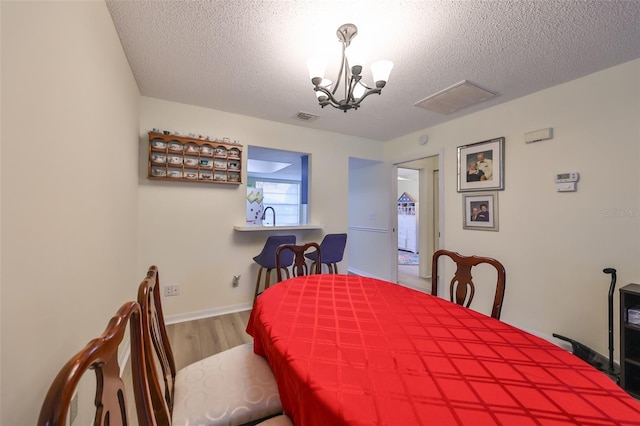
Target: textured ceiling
x: 249, y: 57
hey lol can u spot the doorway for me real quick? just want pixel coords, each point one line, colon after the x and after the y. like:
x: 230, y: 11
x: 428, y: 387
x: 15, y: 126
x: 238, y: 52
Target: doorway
x: 418, y: 220
x: 408, y: 224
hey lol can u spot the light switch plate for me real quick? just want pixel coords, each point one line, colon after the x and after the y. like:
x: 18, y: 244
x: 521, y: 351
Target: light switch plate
x: 566, y: 187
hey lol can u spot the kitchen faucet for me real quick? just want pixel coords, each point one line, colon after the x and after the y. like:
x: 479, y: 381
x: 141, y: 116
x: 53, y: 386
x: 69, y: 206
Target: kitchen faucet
x: 264, y: 213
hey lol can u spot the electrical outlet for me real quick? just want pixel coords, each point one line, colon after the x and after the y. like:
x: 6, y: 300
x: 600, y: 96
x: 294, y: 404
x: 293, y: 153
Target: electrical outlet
x: 236, y: 281
x: 171, y: 290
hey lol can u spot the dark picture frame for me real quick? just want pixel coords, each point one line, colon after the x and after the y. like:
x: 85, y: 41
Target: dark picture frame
x: 481, y: 166
x: 480, y: 211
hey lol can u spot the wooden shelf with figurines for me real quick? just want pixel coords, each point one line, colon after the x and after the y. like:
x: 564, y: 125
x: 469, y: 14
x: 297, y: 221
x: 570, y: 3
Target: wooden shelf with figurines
x: 194, y: 159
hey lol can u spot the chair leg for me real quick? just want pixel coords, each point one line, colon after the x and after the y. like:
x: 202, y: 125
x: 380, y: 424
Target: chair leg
x: 255, y: 296
x: 267, y: 279
x: 313, y: 266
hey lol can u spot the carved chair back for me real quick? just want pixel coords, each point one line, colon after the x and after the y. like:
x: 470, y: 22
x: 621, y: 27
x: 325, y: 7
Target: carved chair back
x: 461, y: 287
x: 101, y: 356
x: 300, y: 266
x: 160, y: 363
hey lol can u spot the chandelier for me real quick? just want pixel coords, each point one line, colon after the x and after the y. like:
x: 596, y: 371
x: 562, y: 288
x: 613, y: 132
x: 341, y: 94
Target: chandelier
x: 354, y: 89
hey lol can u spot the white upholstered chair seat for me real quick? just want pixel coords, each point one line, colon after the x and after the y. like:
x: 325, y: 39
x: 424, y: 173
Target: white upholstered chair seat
x: 229, y: 388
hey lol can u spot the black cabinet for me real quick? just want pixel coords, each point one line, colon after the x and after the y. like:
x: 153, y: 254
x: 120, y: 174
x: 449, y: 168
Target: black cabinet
x: 629, y: 340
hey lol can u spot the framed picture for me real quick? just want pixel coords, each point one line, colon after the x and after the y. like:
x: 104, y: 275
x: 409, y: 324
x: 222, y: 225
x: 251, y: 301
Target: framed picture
x: 481, y: 166
x: 480, y: 211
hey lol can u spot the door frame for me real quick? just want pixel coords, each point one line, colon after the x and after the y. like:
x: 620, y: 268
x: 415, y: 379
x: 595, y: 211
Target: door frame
x: 438, y: 215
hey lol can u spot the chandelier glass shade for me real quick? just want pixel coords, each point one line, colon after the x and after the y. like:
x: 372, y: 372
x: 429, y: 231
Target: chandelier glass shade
x: 354, y: 90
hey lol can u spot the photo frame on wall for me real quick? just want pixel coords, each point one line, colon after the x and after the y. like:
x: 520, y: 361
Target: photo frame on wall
x: 481, y: 166
x: 480, y: 211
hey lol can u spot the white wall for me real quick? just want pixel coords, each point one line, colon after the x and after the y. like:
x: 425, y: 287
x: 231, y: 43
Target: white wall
x: 69, y: 193
x: 411, y: 187
x: 554, y: 245
x: 187, y: 228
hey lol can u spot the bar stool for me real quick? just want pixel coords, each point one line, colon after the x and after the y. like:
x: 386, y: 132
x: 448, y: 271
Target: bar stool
x: 332, y: 250
x: 267, y: 258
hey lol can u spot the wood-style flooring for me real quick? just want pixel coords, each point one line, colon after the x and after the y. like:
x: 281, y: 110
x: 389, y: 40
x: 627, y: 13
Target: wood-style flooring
x: 192, y: 341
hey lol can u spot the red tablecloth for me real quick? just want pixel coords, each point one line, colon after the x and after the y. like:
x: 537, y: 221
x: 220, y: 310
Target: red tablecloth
x: 350, y: 350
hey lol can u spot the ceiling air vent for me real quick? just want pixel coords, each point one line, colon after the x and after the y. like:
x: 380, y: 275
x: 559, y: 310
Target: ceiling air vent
x: 454, y: 98
x: 305, y: 116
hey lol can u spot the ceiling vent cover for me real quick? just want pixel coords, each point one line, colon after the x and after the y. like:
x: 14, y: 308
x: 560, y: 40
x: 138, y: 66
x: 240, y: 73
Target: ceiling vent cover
x: 454, y: 98
x: 305, y: 116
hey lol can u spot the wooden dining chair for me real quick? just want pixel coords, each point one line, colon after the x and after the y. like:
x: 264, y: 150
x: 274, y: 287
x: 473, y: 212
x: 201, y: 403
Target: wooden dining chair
x: 461, y: 287
x: 235, y: 386
x: 101, y: 355
x: 299, y: 267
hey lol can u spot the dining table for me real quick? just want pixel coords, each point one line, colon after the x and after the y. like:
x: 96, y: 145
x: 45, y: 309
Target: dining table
x: 354, y: 350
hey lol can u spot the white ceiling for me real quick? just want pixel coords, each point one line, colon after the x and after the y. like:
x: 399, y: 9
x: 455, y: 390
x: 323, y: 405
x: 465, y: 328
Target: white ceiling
x: 249, y: 57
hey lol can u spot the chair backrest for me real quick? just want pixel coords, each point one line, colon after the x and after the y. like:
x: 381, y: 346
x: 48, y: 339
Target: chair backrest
x: 159, y: 358
x: 332, y: 247
x: 101, y: 355
x: 299, y: 267
x: 461, y: 287
x: 267, y: 257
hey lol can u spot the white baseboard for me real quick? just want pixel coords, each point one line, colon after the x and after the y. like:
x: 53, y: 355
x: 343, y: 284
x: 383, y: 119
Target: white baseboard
x: 355, y: 271
x: 207, y: 313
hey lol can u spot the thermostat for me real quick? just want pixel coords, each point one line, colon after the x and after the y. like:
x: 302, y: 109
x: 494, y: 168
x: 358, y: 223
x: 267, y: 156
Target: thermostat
x: 566, y: 182
x: 567, y: 177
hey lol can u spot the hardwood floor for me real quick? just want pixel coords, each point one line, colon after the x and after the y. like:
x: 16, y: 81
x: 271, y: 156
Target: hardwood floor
x: 192, y: 341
